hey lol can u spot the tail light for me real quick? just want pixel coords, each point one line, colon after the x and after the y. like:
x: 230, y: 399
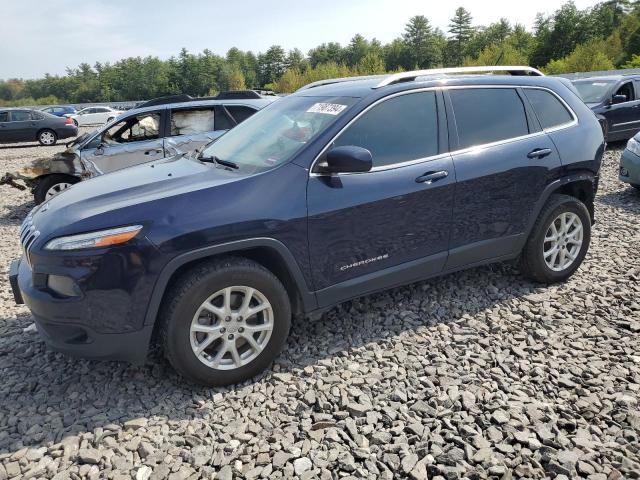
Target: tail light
x: 68, y: 121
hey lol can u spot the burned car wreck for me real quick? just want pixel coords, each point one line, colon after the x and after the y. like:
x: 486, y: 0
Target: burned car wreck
x: 48, y: 176
x: 147, y: 134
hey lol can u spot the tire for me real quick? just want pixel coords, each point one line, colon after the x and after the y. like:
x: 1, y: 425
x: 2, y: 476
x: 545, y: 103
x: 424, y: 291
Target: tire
x: 636, y: 186
x: 109, y: 119
x: 181, y: 313
x: 50, y: 185
x: 533, y: 263
x: 75, y: 122
x: 47, y: 137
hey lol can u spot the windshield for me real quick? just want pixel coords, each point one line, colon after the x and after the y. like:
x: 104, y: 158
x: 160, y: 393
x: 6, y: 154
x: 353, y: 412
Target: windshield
x: 275, y: 134
x: 593, y: 91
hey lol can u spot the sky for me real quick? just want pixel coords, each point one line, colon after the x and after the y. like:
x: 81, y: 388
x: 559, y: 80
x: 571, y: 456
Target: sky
x: 41, y: 36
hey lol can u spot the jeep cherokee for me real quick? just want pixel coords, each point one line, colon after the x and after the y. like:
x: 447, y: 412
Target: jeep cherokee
x: 344, y: 188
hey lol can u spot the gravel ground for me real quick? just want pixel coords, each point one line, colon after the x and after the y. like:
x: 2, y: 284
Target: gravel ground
x: 477, y: 374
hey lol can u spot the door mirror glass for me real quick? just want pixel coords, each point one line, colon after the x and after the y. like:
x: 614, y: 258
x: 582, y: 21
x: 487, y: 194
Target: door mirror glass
x: 618, y: 99
x: 348, y: 159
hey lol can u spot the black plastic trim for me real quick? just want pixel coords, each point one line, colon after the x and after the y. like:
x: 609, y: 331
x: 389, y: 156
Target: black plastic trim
x: 308, y: 298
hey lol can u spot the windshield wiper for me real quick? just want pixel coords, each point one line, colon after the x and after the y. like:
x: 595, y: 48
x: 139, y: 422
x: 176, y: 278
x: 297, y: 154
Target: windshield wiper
x: 216, y: 160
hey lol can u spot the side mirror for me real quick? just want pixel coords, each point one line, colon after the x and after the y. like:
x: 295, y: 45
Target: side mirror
x: 618, y: 99
x: 348, y: 159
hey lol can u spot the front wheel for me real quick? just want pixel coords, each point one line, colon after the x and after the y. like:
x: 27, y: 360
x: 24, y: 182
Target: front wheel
x: 50, y: 186
x: 47, y: 138
x: 225, y: 321
x: 559, y: 240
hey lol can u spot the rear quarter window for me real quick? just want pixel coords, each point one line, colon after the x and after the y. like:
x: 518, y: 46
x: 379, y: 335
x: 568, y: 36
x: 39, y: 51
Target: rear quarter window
x: 192, y: 121
x: 549, y: 109
x: 487, y: 115
x: 240, y: 113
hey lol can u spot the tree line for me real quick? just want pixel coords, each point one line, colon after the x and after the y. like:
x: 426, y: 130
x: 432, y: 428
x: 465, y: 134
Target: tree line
x: 602, y: 37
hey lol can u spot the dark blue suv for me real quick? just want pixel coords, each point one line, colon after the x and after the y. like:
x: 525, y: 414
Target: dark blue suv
x: 344, y: 188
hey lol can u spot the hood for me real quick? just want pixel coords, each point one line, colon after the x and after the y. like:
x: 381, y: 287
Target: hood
x: 137, y: 185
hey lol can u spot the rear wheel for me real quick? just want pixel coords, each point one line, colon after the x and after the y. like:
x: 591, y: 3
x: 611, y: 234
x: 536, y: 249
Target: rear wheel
x: 75, y: 122
x: 636, y: 186
x: 51, y: 185
x: 109, y: 119
x: 225, y: 321
x: 559, y: 240
x: 47, y: 137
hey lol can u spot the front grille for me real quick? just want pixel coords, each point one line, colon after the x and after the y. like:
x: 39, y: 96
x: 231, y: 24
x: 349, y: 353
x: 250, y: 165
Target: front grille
x: 28, y: 235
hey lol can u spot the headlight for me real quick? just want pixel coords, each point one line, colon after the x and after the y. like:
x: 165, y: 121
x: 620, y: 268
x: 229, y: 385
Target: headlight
x: 103, y: 238
x: 633, y: 146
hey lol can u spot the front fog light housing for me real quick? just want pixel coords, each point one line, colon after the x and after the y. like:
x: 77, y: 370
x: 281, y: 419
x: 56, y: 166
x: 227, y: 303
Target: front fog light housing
x: 63, y: 286
x: 102, y: 238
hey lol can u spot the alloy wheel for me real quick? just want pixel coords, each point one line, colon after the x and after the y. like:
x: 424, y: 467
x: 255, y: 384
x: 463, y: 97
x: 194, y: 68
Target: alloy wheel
x: 563, y: 241
x: 231, y: 327
x: 47, y: 138
x: 56, y: 189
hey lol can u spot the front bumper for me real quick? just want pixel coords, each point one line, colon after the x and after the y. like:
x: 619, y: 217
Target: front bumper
x: 62, y: 323
x: 630, y: 168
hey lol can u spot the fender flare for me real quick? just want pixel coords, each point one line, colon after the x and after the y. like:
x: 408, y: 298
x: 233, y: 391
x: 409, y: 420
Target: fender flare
x: 550, y: 190
x: 308, y: 298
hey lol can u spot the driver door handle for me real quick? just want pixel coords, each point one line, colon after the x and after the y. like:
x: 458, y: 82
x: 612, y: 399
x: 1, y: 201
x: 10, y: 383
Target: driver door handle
x: 152, y: 152
x: 430, y: 177
x: 539, y: 153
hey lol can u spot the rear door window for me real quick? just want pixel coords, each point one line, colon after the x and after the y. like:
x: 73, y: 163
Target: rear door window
x: 400, y: 129
x: 37, y: 115
x: 20, y: 116
x: 487, y: 115
x: 4, y: 116
x: 240, y: 113
x: 223, y: 120
x: 549, y: 109
x: 192, y: 121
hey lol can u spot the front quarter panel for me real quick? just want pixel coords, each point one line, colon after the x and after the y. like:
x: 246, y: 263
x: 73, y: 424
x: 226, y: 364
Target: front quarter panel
x: 271, y: 204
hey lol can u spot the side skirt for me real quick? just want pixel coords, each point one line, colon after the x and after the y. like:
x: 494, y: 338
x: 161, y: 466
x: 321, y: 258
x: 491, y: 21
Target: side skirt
x: 418, y: 270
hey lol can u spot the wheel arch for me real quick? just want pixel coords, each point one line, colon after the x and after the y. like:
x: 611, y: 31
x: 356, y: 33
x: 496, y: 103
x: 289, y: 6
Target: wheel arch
x: 268, y: 252
x: 581, y: 185
x: 43, y: 129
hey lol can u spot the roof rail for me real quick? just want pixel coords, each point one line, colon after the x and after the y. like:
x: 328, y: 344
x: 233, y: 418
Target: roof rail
x: 183, y: 98
x: 237, y: 94
x: 164, y: 100
x: 329, y: 81
x: 409, y: 76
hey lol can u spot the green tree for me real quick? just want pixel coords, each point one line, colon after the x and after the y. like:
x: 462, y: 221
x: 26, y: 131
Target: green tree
x: 372, y: 63
x: 498, y: 54
x: 460, y: 33
x: 356, y: 50
x: 559, y: 35
x: 271, y: 65
x: 588, y: 57
x: 423, y: 44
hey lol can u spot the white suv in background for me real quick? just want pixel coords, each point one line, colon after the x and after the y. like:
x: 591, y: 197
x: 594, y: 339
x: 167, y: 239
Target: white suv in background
x: 95, y: 116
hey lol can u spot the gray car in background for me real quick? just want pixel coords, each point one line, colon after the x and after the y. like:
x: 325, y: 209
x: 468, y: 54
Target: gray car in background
x: 27, y: 125
x: 138, y: 136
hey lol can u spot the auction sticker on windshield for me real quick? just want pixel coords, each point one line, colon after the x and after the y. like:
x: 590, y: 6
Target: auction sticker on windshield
x: 328, y: 108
